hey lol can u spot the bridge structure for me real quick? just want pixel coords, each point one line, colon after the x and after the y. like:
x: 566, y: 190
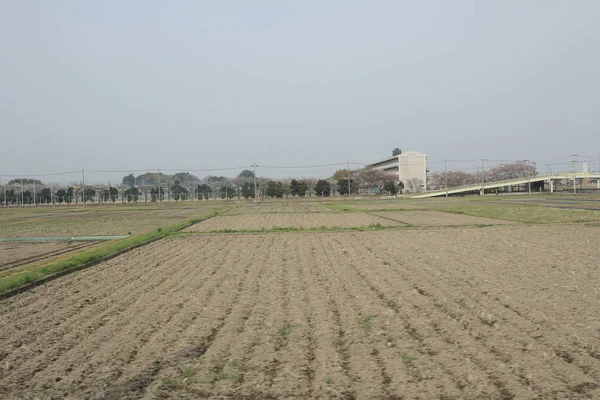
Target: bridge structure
x: 481, y: 187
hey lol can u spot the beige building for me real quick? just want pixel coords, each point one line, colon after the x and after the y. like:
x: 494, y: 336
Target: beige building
x: 409, y: 165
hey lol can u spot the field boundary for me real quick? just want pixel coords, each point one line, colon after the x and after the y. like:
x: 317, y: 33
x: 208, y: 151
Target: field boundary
x: 14, y: 284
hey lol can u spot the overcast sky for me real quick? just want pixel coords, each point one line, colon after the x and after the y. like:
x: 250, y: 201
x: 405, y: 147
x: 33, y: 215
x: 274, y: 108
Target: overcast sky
x: 123, y: 85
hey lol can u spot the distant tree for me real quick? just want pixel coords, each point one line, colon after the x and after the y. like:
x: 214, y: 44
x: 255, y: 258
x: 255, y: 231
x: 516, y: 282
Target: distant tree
x: 227, y: 192
x: 88, y: 194
x: 128, y: 180
x: 131, y: 194
x: 302, y: 188
x: 70, y: 194
x: 204, y: 191
x: 114, y: 192
x: 275, y: 189
x: 248, y: 190
x: 323, y: 188
x: 61, y: 195
x: 179, y: 192
x: 391, y: 188
x: 246, y: 174
x: 212, y: 179
x: 157, y: 193
x: 342, y: 186
x: 400, y: 187
x: 414, y: 185
x: 340, y: 174
x: 24, y: 181
x: 45, y: 196
x: 294, y: 188
x: 368, y: 178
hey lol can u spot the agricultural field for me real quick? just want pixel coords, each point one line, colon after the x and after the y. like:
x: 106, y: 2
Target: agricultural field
x: 463, y: 310
x: 295, y: 206
x: 93, y: 221
x: 16, y: 254
x: 253, y: 222
x: 435, y: 218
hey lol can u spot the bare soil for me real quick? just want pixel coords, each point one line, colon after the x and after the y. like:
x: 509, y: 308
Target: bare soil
x: 15, y: 254
x: 437, y: 218
x: 292, y: 220
x: 498, y: 312
x: 281, y: 206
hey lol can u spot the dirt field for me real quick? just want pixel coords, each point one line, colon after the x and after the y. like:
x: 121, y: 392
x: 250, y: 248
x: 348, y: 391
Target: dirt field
x: 295, y: 220
x: 118, y: 221
x: 436, y: 218
x: 281, y: 206
x: 498, y: 312
x: 14, y: 254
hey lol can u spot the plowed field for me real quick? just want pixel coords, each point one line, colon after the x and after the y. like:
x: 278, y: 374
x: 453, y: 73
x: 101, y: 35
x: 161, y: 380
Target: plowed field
x: 498, y: 312
x: 301, y: 221
x: 436, y: 218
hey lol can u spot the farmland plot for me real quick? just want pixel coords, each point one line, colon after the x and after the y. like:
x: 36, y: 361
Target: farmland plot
x: 497, y: 313
x: 13, y: 254
x: 104, y: 222
x: 437, y: 218
x: 282, y: 206
x: 293, y: 220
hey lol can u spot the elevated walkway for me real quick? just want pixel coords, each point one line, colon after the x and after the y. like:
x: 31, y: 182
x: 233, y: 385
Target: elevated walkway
x: 479, y: 187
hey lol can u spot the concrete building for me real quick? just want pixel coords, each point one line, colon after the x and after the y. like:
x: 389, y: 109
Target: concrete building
x: 408, y: 165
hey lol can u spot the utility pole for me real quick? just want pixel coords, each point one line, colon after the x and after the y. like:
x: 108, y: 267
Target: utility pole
x: 529, y: 177
x: 83, y: 188
x: 34, y: 193
x: 22, y: 195
x: 482, y: 178
x: 254, y: 173
x: 446, y: 176
x: 51, y: 195
x: 573, y: 162
x: 158, y: 180
x: 348, y: 162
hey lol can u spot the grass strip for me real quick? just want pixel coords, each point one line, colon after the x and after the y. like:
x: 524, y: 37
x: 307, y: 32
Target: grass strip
x: 14, y: 279
x: 527, y: 213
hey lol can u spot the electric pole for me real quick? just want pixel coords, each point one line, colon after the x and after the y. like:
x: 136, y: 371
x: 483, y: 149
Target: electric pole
x: 254, y: 173
x: 482, y: 178
x: 348, y: 162
x: 158, y: 180
x: 574, y: 176
x: 446, y: 176
x: 22, y: 195
x: 83, y: 188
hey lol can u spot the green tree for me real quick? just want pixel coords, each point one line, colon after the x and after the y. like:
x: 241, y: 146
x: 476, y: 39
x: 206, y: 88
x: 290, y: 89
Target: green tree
x: 275, y: 189
x: 128, y: 180
x: 226, y: 192
x: 246, y: 174
x: 89, y: 194
x: 322, y: 188
x: 45, y: 196
x: 302, y: 188
x: 69, y: 194
x: 204, y: 191
x: 248, y: 190
x: 342, y: 186
x: 156, y: 193
x: 179, y: 192
x: 294, y: 188
x: 340, y: 174
x: 391, y: 188
x: 132, y: 194
x: 24, y: 181
x: 61, y: 195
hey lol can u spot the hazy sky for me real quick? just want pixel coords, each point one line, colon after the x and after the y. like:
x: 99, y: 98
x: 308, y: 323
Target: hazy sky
x: 120, y: 85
